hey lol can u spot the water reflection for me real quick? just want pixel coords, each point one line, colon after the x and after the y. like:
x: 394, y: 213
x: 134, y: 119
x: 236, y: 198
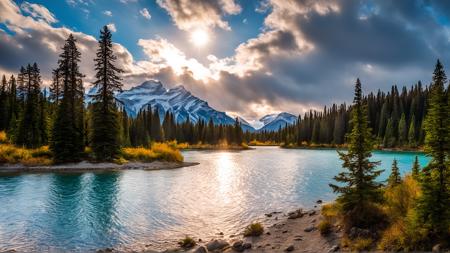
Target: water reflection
x: 87, y: 211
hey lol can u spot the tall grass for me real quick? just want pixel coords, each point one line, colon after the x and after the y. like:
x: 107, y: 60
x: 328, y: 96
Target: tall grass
x: 158, y: 151
x: 10, y: 154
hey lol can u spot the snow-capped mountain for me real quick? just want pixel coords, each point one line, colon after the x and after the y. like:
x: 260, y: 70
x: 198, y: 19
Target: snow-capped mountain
x: 273, y: 122
x: 177, y: 100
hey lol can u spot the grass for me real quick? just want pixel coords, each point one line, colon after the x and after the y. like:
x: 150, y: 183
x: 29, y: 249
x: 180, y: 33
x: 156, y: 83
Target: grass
x: 10, y: 154
x: 261, y: 143
x: 187, y: 242
x: 254, y: 229
x: 157, y: 152
x: 220, y: 146
x: 325, y: 227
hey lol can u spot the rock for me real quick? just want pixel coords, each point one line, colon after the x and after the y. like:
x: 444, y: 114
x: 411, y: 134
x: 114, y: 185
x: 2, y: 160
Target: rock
x: 334, y: 248
x: 216, y: 244
x: 220, y: 233
x: 290, y: 248
x: 201, y: 249
x: 268, y: 233
x: 319, y: 201
x: 200, y: 239
x: 309, y: 229
x: 313, y: 220
x: 295, y: 214
x: 268, y: 215
x: 247, y: 245
x: 312, y: 212
x: 105, y: 250
x: 285, y: 231
x: 436, y: 248
x: 238, y: 246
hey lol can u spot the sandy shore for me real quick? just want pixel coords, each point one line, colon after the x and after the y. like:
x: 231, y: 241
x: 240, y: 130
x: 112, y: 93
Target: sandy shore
x: 282, y: 234
x: 88, y: 166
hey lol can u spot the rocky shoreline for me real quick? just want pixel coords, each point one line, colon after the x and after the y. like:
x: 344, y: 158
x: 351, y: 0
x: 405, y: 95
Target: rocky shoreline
x: 295, y: 231
x: 89, y: 166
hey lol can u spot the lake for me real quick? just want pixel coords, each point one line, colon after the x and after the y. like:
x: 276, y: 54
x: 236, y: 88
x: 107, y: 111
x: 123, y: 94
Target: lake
x: 129, y: 209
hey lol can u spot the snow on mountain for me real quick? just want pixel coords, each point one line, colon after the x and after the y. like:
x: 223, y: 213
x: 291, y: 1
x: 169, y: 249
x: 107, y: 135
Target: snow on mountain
x: 177, y: 100
x: 273, y: 122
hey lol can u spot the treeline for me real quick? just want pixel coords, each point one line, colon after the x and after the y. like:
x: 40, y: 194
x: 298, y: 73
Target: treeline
x: 58, y: 116
x: 410, y: 213
x: 396, y: 120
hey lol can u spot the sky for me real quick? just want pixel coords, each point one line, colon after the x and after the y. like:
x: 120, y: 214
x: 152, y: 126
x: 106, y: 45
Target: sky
x: 245, y: 57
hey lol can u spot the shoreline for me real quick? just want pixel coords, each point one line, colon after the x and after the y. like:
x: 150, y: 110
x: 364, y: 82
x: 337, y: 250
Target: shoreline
x: 294, y: 231
x: 86, y: 166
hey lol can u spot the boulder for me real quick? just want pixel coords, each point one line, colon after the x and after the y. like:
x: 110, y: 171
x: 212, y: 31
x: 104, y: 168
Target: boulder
x: 312, y: 212
x: 247, y: 245
x: 319, y: 201
x: 217, y: 244
x: 201, y: 249
x: 238, y: 246
x: 309, y: 229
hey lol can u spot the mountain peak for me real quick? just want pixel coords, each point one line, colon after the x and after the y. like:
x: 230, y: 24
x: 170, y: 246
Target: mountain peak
x: 150, y: 84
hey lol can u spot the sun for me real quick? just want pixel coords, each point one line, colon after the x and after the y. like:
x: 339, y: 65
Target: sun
x: 199, y: 38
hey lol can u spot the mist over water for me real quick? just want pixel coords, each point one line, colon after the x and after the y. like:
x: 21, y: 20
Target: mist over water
x: 129, y: 209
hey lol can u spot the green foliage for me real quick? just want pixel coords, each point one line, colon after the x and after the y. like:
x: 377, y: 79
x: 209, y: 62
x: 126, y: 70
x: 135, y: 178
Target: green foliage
x: 358, y: 188
x: 105, y: 116
x: 254, y: 229
x: 68, y: 128
x: 415, y: 169
x: 394, y: 178
x: 433, y: 206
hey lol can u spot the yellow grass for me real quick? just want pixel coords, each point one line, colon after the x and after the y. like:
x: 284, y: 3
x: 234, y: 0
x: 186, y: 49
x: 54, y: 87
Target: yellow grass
x: 254, y: 229
x: 158, y: 151
x: 261, y: 143
x: 10, y: 154
x: 3, y: 137
x: 223, y: 145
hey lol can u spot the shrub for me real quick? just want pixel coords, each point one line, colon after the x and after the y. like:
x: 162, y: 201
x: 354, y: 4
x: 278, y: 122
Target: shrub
x: 28, y: 157
x: 361, y: 244
x: 254, y: 229
x: 43, y: 151
x: 401, y: 198
x: 187, y: 242
x: 36, y: 161
x: 3, y: 137
x: 158, y: 151
x: 324, y: 227
x: 166, y: 153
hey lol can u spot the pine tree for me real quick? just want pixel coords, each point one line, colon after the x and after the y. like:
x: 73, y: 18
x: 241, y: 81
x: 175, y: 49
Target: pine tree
x: 358, y: 188
x: 394, y: 178
x: 68, y: 128
x: 3, y: 104
x: 433, y: 207
x: 105, y: 116
x: 412, y: 132
x: 389, y: 137
x: 402, y: 130
x: 415, y: 171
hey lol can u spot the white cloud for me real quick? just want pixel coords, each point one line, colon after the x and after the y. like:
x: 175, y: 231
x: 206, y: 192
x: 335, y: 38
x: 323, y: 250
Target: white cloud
x: 203, y: 14
x: 107, y: 13
x: 39, y: 12
x: 112, y: 27
x: 144, y: 12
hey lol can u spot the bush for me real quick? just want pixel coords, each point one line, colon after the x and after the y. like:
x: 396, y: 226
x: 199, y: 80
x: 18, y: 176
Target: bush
x: 3, y: 137
x: 325, y: 227
x: 187, y: 242
x: 29, y: 157
x: 361, y: 244
x: 401, y: 198
x: 43, y: 151
x: 254, y: 229
x: 158, y: 151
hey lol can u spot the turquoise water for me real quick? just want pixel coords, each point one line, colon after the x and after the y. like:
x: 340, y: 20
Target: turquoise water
x: 131, y: 209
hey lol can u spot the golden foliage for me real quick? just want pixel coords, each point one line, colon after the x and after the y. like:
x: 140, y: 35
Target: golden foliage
x: 158, y: 151
x: 254, y: 229
x: 11, y: 154
x: 3, y: 137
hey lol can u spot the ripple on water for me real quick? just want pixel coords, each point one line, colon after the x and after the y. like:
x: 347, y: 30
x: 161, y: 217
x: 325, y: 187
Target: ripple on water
x: 227, y: 190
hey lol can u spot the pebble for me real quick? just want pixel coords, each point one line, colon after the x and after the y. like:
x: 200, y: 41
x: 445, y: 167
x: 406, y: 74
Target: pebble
x: 290, y: 248
x: 334, y: 248
x: 309, y: 229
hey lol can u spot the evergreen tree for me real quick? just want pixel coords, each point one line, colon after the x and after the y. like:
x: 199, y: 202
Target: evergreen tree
x: 105, y: 116
x: 412, y: 132
x: 394, y: 178
x: 358, y: 188
x: 68, y: 128
x: 402, y: 131
x: 416, y: 168
x: 389, y: 137
x: 433, y: 207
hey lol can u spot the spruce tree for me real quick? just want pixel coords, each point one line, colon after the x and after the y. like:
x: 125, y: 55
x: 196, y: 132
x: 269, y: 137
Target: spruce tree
x: 412, y: 132
x: 433, y: 207
x: 68, y: 128
x: 394, y: 178
x: 357, y: 187
x: 402, y: 131
x: 105, y: 116
x: 415, y: 171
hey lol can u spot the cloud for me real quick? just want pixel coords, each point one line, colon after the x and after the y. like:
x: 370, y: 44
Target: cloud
x: 112, y: 27
x: 39, y: 12
x: 107, y: 13
x: 144, y: 12
x: 188, y: 15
